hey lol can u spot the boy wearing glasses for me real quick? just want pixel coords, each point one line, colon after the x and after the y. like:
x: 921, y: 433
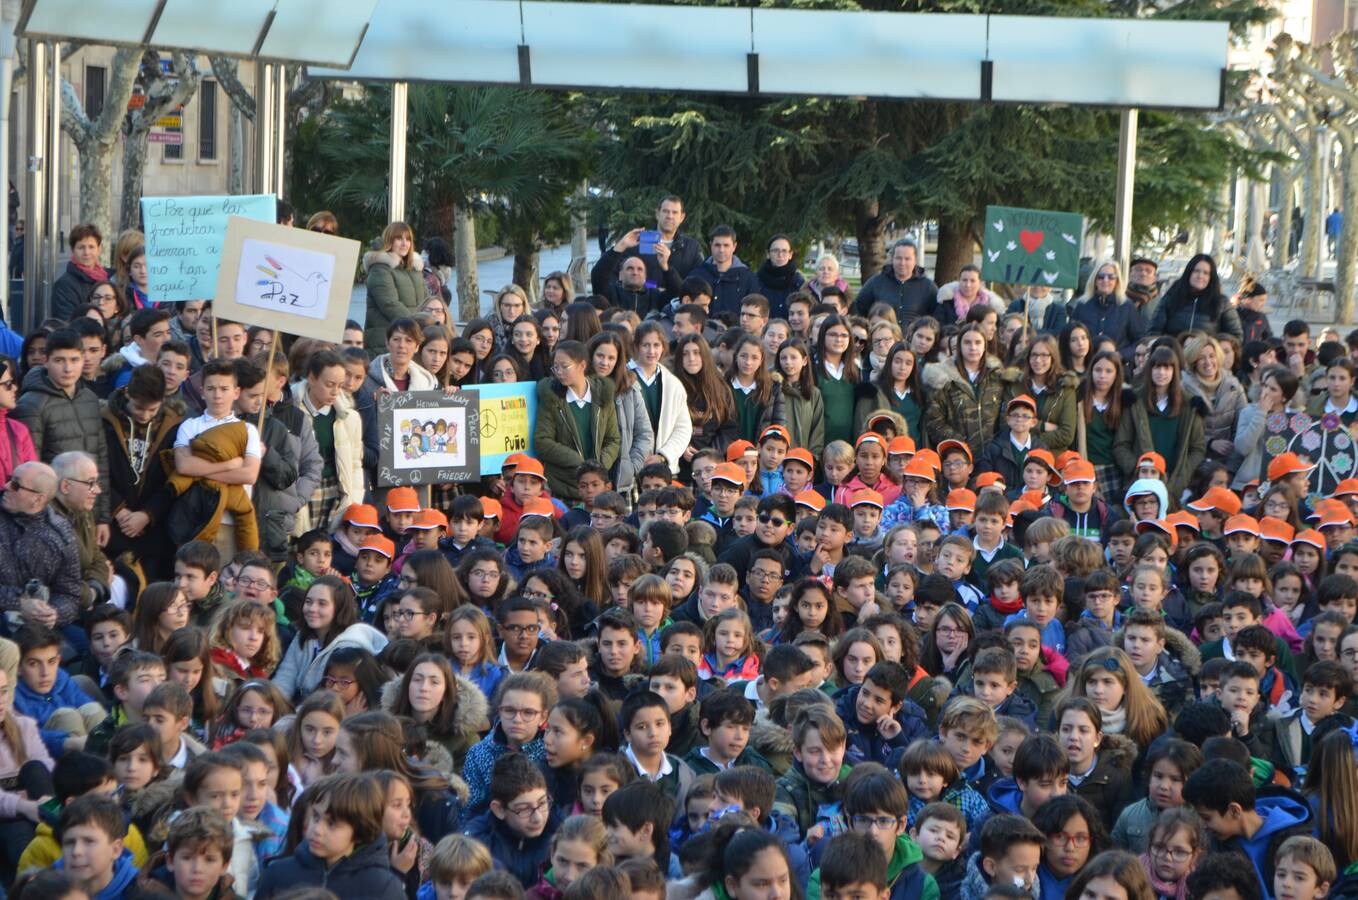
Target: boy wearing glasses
x: 875, y: 805
x: 519, y: 827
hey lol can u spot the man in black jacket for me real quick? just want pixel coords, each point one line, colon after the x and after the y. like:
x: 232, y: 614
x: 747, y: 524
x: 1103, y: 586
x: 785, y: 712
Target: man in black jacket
x: 902, y: 285
x: 631, y: 288
x: 685, y: 252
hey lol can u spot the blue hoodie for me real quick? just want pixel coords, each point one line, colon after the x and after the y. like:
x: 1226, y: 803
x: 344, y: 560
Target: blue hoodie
x: 124, y: 873
x: 866, y: 744
x: 1005, y: 796
x: 65, y: 694
x: 1285, y: 814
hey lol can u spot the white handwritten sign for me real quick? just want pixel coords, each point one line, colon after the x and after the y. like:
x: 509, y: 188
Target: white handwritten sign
x: 278, y: 277
x: 288, y: 279
x: 184, y: 237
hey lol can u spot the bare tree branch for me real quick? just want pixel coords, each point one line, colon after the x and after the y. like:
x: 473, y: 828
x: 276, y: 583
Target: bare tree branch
x: 227, y: 72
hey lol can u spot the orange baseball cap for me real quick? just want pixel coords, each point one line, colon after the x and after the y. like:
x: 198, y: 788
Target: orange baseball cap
x: 490, y: 508
x: 1078, y: 471
x: 776, y: 431
x: 945, y: 447
x: 1241, y: 523
x: 538, y: 506
x: 1218, y: 499
x: 989, y: 479
x: 1155, y: 459
x: 800, y: 455
x: 918, y: 467
x: 870, y: 437
x: 1020, y: 506
x: 1033, y: 498
x: 962, y: 500
x: 530, y: 466
x: 402, y: 500
x: 1271, y: 529
x: 738, y: 449
x: 511, y: 461
x: 1044, y: 456
x: 1183, y: 519
x: 1065, y: 458
x: 1164, y: 526
x: 730, y: 473
x: 379, y: 543
x: 1284, y: 464
x: 1332, y: 518
x: 930, y: 456
x: 1310, y: 536
x: 901, y: 445
x: 361, y: 515
x: 812, y: 500
x: 426, y: 519
x: 1021, y: 400
x: 866, y: 497
x: 1346, y: 488
x: 879, y: 417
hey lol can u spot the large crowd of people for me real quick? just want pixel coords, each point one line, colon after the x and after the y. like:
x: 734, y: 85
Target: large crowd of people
x: 805, y: 589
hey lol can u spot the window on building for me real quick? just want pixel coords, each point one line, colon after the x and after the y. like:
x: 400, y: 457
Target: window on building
x: 95, y: 80
x: 207, y: 121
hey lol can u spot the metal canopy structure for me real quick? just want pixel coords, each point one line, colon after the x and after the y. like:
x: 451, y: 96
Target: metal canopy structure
x: 1018, y: 59
x: 1122, y: 63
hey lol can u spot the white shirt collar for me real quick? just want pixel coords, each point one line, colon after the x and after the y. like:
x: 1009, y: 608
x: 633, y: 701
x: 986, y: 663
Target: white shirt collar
x: 642, y: 375
x: 1025, y: 446
x: 834, y: 371
x: 752, y: 693
x: 180, y: 759
x: 747, y: 391
x: 666, y: 767
x: 572, y: 397
x: 1352, y: 406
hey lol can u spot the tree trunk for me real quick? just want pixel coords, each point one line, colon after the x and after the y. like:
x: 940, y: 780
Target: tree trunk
x: 1283, y: 240
x: 235, y: 178
x: 163, y: 95
x: 526, y: 272
x: 870, y: 229
x: 135, y: 151
x: 1313, y: 223
x: 1346, y: 256
x: 464, y: 253
x: 956, y: 248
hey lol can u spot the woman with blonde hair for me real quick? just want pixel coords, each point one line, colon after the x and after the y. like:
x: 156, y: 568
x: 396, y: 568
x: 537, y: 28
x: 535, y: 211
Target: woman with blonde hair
x: 1105, y: 310
x: 557, y: 291
x: 1207, y: 378
x: 395, y: 284
x: 511, y: 304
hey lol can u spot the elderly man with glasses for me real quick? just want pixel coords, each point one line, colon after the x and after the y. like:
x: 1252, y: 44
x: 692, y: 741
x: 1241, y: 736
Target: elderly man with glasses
x: 77, y: 490
x: 40, y: 549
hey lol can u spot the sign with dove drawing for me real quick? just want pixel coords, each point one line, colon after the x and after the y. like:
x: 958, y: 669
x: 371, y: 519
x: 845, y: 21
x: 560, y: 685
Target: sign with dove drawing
x: 1032, y: 246
x: 288, y: 279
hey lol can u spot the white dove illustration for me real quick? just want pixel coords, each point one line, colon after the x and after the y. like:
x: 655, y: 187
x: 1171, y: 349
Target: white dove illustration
x: 1010, y: 246
x: 999, y: 224
x: 1051, y: 254
x: 993, y: 256
x: 1051, y: 276
x: 1068, y: 238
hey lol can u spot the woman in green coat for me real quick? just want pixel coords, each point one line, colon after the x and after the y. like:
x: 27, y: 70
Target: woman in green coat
x: 802, y: 402
x: 395, y: 284
x: 899, y: 387
x: 1042, y: 378
x: 1164, y: 419
x: 577, y: 420
x: 966, y: 393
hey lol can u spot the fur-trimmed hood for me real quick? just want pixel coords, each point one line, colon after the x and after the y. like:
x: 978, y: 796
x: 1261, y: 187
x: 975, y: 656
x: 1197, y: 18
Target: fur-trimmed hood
x: 473, y: 710
x: 1177, y: 645
x: 770, y: 740
x: 1118, y: 751
x: 153, y: 806
x: 387, y: 258
x: 938, y: 375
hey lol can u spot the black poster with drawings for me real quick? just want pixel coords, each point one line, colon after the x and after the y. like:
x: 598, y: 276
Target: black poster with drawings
x: 428, y: 437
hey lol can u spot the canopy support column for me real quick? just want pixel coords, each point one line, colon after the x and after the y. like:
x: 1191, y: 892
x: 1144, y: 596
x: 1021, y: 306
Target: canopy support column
x: 396, y: 178
x: 1122, y: 218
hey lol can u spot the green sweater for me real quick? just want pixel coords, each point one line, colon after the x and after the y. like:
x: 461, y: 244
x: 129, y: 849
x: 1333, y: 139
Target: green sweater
x: 748, y: 411
x: 838, y: 396
x: 584, y: 424
x: 1165, y: 435
x: 1099, y: 440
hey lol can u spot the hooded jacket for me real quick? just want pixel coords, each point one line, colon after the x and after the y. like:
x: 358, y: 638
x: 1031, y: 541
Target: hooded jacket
x: 866, y: 743
x: 289, y: 474
x: 304, y: 662
x: 1134, y: 437
x: 394, y: 292
x: 805, y: 801
x: 72, y: 289
x: 58, y: 422
x: 470, y: 718
x: 1285, y: 814
x: 1181, y: 310
x: 912, y: 298
x: 804, y: 417
x: 364, y: 873
x: 959, y: 410
x: 1178, y: 665
x: 137, y: 480
x: 674, y: 425
x: 636, y: 438
x: 904, y: 875
x: 523, y: 857
x: 348, y: 431
x: 16, y: 445
x: 729, y: 287
x: 975, y: 885
x: 124, y: 874
x: 557, y: 441
x: 1222, y: 404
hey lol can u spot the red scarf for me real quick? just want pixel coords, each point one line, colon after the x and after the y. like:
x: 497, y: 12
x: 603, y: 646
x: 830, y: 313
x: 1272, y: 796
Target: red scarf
x: 95, y: 272
x: 1006, y: 606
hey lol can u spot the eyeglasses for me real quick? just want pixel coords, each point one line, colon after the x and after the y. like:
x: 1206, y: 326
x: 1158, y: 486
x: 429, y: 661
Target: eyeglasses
x: 402, y: 615
x: 948, y: 630
x: 868, y: 823
x: 1350, y: 654
x: 105, y: 298
x: 512, y: 712
x: 7, y: 384
x: 766, y: 519
x: 1175, y: 855
x: 1105, y: 276
x: 178, y: 606
x: 521, y: 630
x: 528, y: 810
x: 92, y: 484
x: 765, y: 574
x: 1065, y: 839
x: 558, y: 368
x: 262, y: 584
x: 323, y: 229
x: 337, y: 684
x: 14, y: 483
x: 485, y: 573
x: 956, y: 463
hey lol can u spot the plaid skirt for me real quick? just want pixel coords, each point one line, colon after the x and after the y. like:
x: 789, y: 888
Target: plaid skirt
x: 1108, y: 480
x: 322, y: 504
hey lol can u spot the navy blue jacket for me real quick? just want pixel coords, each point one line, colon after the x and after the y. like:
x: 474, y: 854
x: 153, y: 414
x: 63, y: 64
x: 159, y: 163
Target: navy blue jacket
x: 520, y: 856
x: 364, y: 873
x: 729, y: 287
x: 864, y: 741
x: 1106, y: 315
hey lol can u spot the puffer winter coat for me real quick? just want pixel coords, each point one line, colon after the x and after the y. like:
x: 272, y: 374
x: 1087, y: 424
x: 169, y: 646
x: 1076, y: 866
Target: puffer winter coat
x: 962, y: 411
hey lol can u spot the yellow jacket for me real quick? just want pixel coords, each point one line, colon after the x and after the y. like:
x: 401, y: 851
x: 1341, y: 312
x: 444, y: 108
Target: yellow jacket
x: 44, y: 849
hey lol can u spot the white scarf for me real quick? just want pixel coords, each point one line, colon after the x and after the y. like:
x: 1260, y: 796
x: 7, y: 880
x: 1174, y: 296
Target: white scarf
x: 1116, y: 721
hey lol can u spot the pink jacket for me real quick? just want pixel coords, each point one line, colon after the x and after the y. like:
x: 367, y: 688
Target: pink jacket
x: 9, y: 766
x: 1278, y: 622
x: 16, y: 445
x: 889, y: 489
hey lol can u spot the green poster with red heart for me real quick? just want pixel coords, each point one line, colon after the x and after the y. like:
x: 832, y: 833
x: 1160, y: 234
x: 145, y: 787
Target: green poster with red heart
x: 1032, y: 246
